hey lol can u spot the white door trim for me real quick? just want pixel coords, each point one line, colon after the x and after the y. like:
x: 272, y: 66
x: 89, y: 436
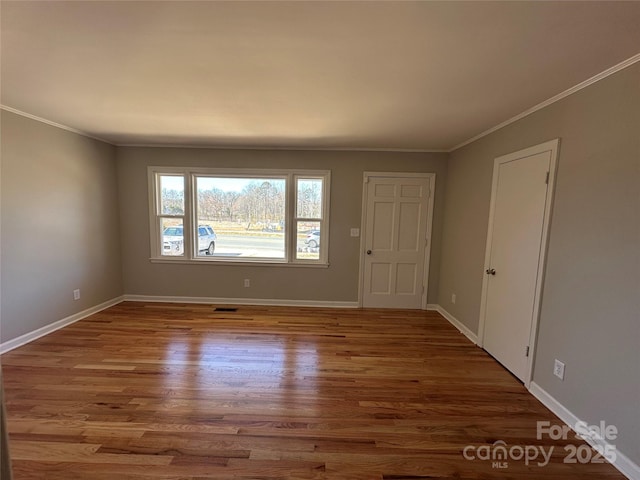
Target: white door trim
x: 363, y: 220
x: 550, y: 146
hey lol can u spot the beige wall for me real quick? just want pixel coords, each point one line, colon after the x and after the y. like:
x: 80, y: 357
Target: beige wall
x: 590, y: 315
x: 60, y: 226
x: 339, y: 282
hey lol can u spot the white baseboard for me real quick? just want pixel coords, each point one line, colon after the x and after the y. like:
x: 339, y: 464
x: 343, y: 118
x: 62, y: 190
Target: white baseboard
x: 622, y: 463
x: 455, y: 322
x: 40, y: 332
x: 241, y: 301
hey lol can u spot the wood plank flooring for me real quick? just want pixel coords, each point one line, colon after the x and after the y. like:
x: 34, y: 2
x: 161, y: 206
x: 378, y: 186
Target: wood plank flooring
x: 171, y: 391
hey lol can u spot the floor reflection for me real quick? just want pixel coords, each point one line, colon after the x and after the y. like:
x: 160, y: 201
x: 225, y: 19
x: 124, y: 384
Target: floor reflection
x: 239, y: 374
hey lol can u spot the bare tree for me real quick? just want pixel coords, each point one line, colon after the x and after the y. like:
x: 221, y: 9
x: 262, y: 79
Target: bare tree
x: 210, y: 204
x: 309, y: 198
x: 229, y: 204
x: 172, y: 202
x: 263, y: 201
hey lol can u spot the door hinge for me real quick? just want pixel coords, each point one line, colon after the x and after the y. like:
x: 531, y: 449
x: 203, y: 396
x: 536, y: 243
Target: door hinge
x: 547, y: 180
x: 526, y: 352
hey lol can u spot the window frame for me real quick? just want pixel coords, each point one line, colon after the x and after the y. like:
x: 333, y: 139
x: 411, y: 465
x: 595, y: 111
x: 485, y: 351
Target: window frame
x: 190, y: 252
x: 324, y: 234
x: 156, y: 215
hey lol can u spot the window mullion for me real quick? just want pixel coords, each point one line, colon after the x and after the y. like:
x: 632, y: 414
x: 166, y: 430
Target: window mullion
x: 290, y: 214
x: 189, y: 214
x: 156, y: 241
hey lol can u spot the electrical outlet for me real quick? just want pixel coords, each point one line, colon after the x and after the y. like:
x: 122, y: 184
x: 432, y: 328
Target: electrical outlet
x: 76, y: 294
x: 247, y: 282
x: 558, y: 369
x: 453, y: 298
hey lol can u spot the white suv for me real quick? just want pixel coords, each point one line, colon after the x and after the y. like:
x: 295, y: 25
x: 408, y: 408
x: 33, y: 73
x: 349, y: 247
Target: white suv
x: 173, y: 240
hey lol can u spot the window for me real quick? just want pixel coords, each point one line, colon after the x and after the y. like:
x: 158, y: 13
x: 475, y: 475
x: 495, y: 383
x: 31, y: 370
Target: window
x: 248, y: 213
x: 171, y: 213
x: 208, y: 215
x: 308, y: 217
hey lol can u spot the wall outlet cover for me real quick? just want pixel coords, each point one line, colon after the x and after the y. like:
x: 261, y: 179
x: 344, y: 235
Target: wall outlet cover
x: 558, y: 369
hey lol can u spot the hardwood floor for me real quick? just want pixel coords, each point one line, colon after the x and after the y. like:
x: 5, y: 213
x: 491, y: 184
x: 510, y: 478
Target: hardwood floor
x: 173, y: 391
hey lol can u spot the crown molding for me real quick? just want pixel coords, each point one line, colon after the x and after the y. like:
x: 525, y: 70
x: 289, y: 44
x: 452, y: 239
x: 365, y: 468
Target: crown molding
x: 53, y: 124
x: 280, y: 148
x: 590, y: 81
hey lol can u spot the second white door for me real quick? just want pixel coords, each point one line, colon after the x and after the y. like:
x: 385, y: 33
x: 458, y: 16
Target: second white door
x: 395, y: 241
x: 515, y: 251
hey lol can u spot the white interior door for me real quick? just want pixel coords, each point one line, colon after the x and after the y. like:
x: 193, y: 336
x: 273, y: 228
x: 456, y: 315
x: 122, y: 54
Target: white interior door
x: 517, y: 231
x: 396, y: 214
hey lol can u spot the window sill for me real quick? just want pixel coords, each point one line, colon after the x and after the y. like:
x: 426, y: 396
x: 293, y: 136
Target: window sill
x: 243, y: 263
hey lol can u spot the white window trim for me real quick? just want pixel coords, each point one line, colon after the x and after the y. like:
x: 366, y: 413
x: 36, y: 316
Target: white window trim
x: 189, y: 218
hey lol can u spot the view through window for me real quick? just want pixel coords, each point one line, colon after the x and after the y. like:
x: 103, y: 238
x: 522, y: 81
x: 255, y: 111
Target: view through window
x: 241, y: 218
x: 246, y: 214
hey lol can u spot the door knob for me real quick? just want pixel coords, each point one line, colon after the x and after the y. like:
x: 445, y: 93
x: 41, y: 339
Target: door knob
x: 491, y: 271
x: 368, y: 252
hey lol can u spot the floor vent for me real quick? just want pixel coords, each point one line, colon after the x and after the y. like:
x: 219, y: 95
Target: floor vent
x: 225, y: 309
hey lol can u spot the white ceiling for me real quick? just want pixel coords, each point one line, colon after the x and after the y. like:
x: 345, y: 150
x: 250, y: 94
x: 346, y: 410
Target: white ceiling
x: 370, y: 75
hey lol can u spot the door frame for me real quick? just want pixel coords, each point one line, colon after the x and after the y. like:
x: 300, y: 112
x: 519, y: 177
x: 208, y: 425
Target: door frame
x: 363, y: 224
x: 550, y: 146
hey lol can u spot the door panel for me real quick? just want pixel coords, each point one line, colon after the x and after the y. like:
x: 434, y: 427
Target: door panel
x: 385, y: 190
x: 395, y: 234
x: 408, y: 230
x: 411, y: 191
x: 383, y: 215
x: 406, y: 280
x: 380, y: 278
x: 515, y: 251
